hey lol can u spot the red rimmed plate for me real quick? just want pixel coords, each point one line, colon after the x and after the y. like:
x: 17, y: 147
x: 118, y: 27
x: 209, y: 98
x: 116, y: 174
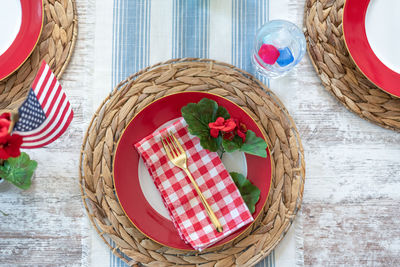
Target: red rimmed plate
x: 371, y: 43
x: 21, y: 22
x: 135, y: 190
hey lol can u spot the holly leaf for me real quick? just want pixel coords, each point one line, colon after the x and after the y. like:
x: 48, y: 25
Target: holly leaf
x: 254, y: 145
x: 249, y: 192
x: 210, y: 143
x: 19, y: 171
x: 199, y: 115
x: 232, y: 145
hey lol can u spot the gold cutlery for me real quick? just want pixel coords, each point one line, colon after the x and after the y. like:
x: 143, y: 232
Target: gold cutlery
x: 178, y: 157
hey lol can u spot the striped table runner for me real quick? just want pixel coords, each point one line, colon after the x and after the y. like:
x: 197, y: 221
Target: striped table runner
x: 133, y: 34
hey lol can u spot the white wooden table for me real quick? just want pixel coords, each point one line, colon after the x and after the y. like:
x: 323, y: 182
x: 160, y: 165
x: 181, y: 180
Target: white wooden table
x: 350, y: 207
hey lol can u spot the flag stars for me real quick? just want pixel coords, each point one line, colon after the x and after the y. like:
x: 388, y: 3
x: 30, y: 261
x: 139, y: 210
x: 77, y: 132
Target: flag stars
x: 31, y: 114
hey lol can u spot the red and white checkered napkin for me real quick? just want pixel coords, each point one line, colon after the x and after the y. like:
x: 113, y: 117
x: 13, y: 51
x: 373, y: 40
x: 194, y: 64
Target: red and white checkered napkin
x: 180, y: 198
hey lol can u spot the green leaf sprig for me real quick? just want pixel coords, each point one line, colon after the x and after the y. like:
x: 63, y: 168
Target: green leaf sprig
x: 250, y: 193
x: 199, y: 115
x: 18, y: 171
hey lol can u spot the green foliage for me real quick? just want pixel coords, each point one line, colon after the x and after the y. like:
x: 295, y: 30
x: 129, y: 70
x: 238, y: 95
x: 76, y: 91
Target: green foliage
x: 250, y: 193
x: 198, y: 116
x: 19, y: 171
x: 222, y: 112
x: 232, y: 145
x: 210, y: 143
x: 254, y: 145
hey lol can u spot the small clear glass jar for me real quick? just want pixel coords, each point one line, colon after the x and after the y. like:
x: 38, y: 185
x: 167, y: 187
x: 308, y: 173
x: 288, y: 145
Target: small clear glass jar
x: 281, y: 34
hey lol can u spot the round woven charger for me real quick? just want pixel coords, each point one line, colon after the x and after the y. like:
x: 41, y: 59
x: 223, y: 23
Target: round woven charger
x: 55, y: 46
x: 154, y: 82
x: 339, y: 74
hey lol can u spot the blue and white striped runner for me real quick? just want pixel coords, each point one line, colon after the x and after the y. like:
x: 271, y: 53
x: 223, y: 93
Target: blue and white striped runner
x: 133, y: 34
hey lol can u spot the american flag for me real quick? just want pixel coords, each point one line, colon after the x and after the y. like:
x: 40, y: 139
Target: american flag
x: 46, y: 113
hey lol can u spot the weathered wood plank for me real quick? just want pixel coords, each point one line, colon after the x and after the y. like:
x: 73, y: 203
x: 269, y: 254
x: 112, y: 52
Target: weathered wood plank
x: 352, y: 234
x: 46, y: 225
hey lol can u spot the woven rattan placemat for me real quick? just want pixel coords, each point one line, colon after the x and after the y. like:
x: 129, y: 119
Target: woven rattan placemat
x: 339, y: 74
x: 129, y: 97
x: 55, y: 46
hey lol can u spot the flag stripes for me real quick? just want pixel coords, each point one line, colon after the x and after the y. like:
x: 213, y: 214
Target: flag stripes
x: 54, y: 104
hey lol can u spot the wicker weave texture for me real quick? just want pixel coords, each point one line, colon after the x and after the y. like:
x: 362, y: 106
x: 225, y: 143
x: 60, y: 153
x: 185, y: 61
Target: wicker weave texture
x: 55, y: 46
x: 339, y: 74
x: 140, y: 89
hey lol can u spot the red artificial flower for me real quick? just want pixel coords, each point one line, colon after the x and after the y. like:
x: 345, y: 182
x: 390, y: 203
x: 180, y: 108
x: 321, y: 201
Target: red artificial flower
x: 4, y: 124
x: 221, y: 124
x: 214, y: 133
x: 228, y: 136
x: 10, y: 146
x: 6, y: 115
x: 241, y: 130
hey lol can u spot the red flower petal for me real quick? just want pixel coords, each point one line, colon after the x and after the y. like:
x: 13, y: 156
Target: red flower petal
x: 229, y: 126
x: 221, y: 125
x: 214, y: 132
x: 228, y: 136
x: 241, y: 135
x: 3, y: 140
x: 10, y: 146
x: 14, y: 144
x: 243, y: 127
x: 4, y: 126
x: 6, y: 116
x: 3, y: 154
x: 218, y: 124
x: 220, y: 121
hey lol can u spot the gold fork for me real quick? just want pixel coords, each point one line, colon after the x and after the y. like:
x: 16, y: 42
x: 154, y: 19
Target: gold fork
x: 177, y: 156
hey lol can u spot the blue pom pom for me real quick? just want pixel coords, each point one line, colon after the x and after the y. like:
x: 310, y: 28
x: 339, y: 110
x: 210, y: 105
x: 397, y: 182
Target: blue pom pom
x: 285, y: 57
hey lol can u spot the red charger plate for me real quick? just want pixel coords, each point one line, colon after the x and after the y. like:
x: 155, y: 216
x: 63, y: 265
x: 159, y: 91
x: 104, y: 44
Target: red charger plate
x: 126, y: 159
x: 355, y: 37
x: 26, y: 39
